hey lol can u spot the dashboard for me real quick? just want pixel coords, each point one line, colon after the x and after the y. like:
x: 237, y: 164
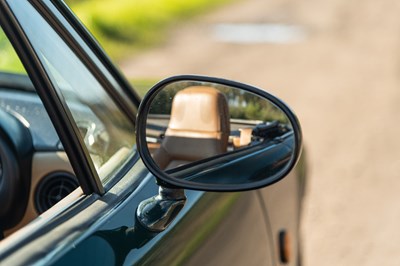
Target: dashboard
x: 29, y: 110
x: 42, y: 176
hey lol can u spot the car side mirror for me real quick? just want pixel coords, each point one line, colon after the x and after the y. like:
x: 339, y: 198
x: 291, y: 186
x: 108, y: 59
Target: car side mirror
x: 213, y: 134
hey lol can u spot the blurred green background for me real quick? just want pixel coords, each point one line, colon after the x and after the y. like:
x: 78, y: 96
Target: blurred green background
x: 124, y: 27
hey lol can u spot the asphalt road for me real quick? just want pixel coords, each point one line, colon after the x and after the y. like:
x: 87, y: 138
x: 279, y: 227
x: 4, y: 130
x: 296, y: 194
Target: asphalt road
x: 342, y: 78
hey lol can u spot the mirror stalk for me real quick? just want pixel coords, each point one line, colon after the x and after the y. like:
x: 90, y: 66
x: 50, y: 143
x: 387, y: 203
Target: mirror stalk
x: 156, y: 213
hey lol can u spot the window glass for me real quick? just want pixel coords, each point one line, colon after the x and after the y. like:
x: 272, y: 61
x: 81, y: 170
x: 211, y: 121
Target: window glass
x: 106, y: 131
x: 45, y: 176
x: 89, y: 52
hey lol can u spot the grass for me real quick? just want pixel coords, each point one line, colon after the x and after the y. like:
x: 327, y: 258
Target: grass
x: 123, y: 26
x: 9, y: 61
x: 142, y: 86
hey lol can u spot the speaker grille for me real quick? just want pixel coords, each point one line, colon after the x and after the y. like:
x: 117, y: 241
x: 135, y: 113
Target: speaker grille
x: 53, y: 188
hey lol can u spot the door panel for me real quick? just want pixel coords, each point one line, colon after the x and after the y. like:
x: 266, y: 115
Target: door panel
x: 283, y: 202
x: 212, y: 229
x: 240, y: 239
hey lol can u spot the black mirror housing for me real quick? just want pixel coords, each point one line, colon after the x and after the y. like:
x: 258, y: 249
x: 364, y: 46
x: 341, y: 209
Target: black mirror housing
x: 212, y: 134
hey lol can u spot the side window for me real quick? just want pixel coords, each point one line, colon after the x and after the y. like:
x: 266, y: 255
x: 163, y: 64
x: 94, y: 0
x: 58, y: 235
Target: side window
x: 106, y: 131
x: 35, y: 173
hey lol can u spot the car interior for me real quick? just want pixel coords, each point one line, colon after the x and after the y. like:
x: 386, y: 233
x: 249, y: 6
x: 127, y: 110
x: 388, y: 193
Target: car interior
x: 35, y: 172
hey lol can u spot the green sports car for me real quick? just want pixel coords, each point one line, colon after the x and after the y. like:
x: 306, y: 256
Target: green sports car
x: 201, y: 171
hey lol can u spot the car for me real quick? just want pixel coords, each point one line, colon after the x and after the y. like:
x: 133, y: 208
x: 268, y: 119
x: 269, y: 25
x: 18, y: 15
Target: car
x: 201, y: 171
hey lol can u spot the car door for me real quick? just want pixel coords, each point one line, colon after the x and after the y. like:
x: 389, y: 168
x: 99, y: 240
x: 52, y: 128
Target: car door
x: 99, y: 225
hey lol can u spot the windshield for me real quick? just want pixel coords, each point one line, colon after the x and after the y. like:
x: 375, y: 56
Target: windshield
x: 107, y: 132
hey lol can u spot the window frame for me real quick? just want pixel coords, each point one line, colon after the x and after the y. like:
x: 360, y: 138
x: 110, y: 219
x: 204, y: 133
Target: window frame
x: 56, y: 107
x: 83, y: 213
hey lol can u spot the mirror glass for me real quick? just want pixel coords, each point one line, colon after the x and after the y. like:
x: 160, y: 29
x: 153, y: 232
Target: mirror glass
x: 213, y: 133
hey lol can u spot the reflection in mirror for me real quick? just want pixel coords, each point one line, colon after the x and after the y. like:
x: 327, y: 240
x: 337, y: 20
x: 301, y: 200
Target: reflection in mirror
x: 192, y: 122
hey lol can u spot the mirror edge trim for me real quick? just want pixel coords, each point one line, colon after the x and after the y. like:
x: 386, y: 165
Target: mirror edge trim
x: 165, y: 180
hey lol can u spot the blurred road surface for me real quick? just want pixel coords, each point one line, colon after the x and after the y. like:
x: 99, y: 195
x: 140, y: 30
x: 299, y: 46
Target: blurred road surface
x: 342, y: 78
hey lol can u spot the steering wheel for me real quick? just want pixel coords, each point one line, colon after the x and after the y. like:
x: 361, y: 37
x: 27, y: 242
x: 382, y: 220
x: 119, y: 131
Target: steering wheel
x: 16, y: 150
